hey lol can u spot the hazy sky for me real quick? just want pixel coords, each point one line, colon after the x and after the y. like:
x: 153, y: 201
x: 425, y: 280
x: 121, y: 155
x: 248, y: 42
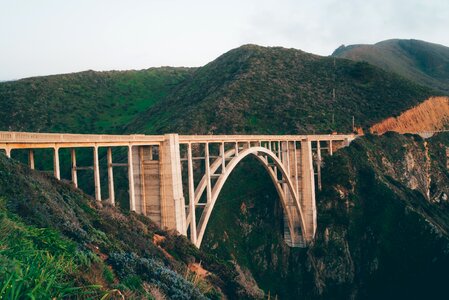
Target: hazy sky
x: 40, y: 37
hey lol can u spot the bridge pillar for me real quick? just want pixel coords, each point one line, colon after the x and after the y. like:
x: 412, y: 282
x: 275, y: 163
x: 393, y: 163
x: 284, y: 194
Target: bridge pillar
x: 56, y: 169
x: 97, y: 174
x: 156, y: 189
x: 8, y: 152
x: 318, y: 163
x: 31, y: 158
x: 291, y: 158
x: 74, y: 171
x: 110, y: 177
x: 307, y: 197
x: 172, y: 197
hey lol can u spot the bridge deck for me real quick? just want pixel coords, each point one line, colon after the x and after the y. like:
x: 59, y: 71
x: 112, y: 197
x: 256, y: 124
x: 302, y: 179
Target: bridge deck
x: 48, y: 140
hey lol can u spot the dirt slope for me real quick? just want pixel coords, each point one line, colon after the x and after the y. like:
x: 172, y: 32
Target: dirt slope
x: 431, y: 115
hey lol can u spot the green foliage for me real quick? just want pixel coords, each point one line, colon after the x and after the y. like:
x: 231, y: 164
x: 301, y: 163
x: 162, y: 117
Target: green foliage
x: 255, y: 89
x: 36, y: 263
x: 79, y: 242
x: 84, y: 102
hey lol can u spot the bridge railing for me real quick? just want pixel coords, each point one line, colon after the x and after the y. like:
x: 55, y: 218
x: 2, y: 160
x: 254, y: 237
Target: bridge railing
x: 61, y: 138
x: 31, y: 137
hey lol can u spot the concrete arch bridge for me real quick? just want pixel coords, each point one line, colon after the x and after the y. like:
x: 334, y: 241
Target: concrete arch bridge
x: 176, y: 179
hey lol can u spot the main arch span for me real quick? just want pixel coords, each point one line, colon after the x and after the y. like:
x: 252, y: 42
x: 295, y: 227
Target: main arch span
x: 176, y: 179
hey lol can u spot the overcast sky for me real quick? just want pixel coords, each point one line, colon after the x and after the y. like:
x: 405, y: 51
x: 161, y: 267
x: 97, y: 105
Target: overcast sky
x: 41, y: 37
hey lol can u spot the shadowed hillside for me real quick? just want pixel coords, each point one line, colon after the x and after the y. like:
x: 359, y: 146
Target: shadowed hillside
x: 56, y: 242
x: 419, y: 61
x: 383, y: 225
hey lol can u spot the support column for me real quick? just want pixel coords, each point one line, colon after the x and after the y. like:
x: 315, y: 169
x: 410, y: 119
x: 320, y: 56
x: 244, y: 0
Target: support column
x: 110, y: 177
x: 308, y: 190
x: 97, y: 175
x: 318, y: 164
x: 31, y: 158
x: 132, y: 199
x: 74, y: 172
x: 8, y: 152
x: 56, y: 170
x: 208, y: 181
x: 223, y: 159
x: 293, y: 238
x: 193, y: 234
x: 172, y: 198
x: 279, y: 153
x: 295, y: 151
x: 331, y: 152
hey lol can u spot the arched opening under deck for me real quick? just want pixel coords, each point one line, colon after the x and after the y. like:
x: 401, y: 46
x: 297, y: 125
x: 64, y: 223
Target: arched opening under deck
x: 267, y: 162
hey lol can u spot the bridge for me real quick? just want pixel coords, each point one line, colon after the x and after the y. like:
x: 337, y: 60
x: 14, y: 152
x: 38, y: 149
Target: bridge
x: 175, y: 180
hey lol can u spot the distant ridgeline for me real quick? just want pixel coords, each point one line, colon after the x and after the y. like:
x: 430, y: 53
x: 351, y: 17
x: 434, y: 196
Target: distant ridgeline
x: 250, y: 89
x: 422, y: 62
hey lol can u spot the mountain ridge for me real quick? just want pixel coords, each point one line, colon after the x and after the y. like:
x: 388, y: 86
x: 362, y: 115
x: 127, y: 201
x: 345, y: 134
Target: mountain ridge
x: 238, y: 91
x: 420, y: 61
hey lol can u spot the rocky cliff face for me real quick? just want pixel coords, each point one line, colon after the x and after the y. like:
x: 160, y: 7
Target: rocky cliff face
x: 383, y: 223
x: 430, y: 115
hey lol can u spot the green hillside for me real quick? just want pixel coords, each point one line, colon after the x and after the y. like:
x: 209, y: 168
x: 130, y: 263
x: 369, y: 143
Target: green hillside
x: 422, y: 62
x: 255, y: 89
x: 250, y: 89
x: 84, y: 102
x: 55, y: 242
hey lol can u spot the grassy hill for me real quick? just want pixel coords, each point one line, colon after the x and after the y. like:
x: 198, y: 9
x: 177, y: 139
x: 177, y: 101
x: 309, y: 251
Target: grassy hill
x: 255, y: 89
x: 56, y: 242
x: 250, y: 89
x: 422, y: 62
x: 84, y: 102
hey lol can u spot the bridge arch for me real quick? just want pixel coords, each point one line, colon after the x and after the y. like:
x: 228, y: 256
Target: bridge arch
x: 284, y: 187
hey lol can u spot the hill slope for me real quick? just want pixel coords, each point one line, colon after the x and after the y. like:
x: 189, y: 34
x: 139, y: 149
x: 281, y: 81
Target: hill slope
x: 429, y: 116
x: 84, y: 102
x: 57, y: 242
x: 422, y: 62
x: 255, y: 89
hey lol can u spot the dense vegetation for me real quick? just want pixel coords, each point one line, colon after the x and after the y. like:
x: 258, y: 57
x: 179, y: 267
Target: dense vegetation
x: 56, y: 242
x: 84, y: 102
x: 422, y: 62
x: 255, y: 89
x: 250, y: 89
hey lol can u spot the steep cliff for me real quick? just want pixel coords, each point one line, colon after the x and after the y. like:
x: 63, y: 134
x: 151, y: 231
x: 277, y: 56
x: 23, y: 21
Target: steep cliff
x: 430, y: 115
x: 383, y: 224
